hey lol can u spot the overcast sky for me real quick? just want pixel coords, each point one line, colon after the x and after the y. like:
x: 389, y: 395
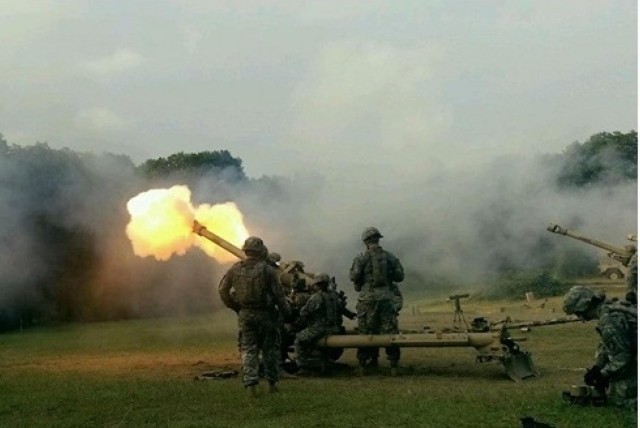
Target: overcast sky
x: 333, y: 86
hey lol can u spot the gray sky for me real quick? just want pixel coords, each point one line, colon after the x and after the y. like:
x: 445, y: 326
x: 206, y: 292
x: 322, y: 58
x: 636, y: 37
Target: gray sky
x: 341, y: 87
x: 423, y: 118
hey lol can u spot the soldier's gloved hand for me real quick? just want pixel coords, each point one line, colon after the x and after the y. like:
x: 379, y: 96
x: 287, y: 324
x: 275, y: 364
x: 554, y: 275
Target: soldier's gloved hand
x: 594, y: 377
x: 591, y: 376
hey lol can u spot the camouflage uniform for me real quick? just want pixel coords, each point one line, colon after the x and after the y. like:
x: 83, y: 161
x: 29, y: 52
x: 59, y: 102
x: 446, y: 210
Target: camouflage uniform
x: 397, y: 301
x: 298, y: 297
x: 617, y: 354
x: 319, y: 315
x: 292, y: 276
x: 632, y: 275
x: 251, y: 288
x: 340, y: 304
x: 373, y: 274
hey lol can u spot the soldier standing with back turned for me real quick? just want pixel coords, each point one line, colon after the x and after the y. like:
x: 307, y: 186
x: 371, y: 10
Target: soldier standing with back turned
x: 251, y: 288
x: 373, y: 274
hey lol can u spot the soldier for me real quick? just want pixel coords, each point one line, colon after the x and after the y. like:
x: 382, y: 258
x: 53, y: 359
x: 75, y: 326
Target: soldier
x: 252, y: 290
x: 373, y: 274
x: 274, y: 259
x: 615, y: 367
x: 339, y: 300
x: 632, y: 279
x: 319, y: 315
x: 292, y: 275
x: 298, y: 297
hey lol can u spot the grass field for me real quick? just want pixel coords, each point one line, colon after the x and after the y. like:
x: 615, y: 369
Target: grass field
x: 141, y: 373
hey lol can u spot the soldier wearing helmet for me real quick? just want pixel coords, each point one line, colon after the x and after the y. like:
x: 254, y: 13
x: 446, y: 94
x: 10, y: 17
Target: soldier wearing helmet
x: 274, y: 259
x: 373, y: 274
x: 251, y: 288
x: 615, y: 371
x: 319, y: 316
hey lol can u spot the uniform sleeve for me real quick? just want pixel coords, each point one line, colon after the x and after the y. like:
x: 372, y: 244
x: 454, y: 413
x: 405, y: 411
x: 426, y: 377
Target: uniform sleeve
x: 632, y: 274
x: 398, y: 270
x: 224, y: 289
x: 601, y: 356
x: 616, y: 345
x: 278, y: 292
x: 356, y: 273
x: 311, y: 307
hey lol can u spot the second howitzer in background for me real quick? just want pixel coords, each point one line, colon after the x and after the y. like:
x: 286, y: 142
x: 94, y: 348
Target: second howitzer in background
x: 626, y: 255
x: 373, y: 275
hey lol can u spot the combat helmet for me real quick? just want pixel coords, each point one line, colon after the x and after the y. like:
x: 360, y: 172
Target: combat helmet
x: 321, y: 278
x: 579, y: 299
x: 253, y: 244
x: 293, y: 266
x: 274, y: 257
x: 371, y: 232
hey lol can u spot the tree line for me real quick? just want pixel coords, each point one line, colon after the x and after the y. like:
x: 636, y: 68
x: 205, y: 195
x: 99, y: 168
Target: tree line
x: 64, y: 256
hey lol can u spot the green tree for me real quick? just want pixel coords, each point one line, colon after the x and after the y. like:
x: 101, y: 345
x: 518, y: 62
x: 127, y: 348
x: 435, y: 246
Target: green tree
x: 604, y: 159
x: 189, y: 165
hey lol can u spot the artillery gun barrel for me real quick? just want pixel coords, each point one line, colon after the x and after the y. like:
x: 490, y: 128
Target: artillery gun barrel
x: 201, y: 230
x: 218, y: 240
x: 554, y: 321
x: 420, y: 340
x: 622, y: 251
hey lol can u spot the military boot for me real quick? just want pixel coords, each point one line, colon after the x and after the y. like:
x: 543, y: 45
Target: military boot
x: 394, y: 367
x: 252, y: 390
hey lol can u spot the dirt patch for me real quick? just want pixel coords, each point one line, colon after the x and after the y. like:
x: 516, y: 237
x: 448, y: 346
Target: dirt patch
x: 157, y: 365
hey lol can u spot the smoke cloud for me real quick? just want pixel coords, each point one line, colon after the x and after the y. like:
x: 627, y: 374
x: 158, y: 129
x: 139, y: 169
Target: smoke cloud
x: 451, y: 227
x: 64, y: 254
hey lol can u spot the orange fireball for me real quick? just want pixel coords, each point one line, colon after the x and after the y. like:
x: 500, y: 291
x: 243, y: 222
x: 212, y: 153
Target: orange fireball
x: 161, y: 220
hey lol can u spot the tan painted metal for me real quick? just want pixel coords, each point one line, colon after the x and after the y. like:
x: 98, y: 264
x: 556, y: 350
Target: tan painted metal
x: 419, y: 340
x: 201, y: 230
x: 622, y: 254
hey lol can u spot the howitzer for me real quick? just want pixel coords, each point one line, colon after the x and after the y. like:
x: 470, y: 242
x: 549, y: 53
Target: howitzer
x: 620, y: 253
x: 491, y: 346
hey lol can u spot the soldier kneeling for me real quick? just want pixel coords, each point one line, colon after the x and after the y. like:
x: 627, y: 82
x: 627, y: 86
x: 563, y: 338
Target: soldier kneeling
x: 615, y: 371
x: 318, y: 315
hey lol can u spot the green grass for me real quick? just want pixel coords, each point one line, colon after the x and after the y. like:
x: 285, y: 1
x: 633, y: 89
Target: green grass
x: 140, y: 373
